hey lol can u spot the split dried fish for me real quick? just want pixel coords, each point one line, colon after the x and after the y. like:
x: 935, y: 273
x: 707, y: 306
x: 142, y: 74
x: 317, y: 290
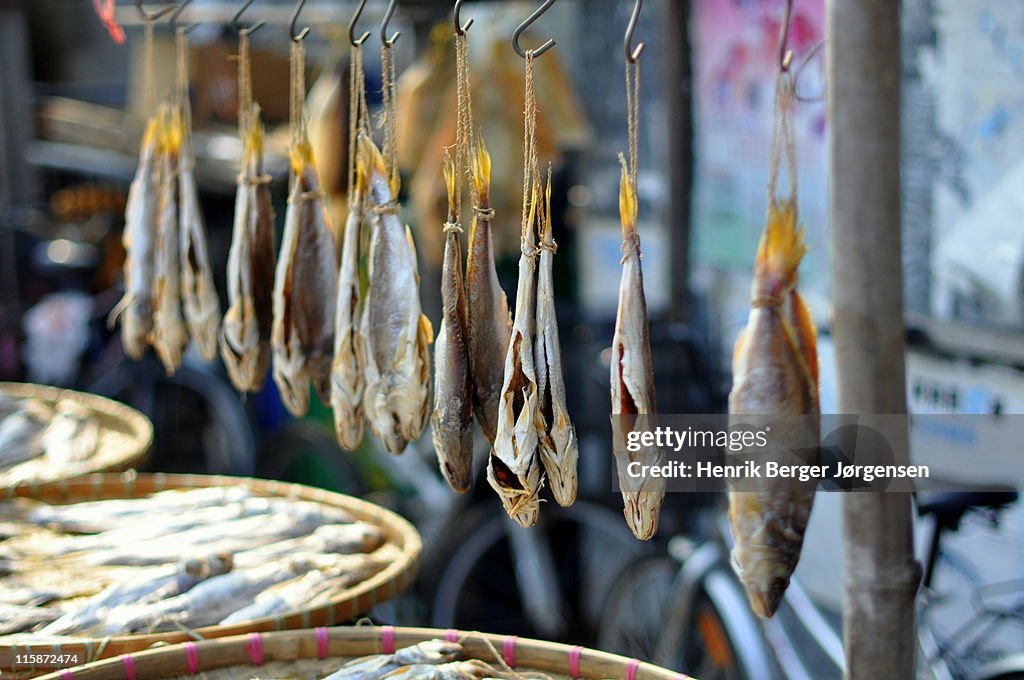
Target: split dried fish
x: 451, y: 425
x: 513, y: 470
x: 775, y: 372
x: 396, y: 334
x: 348, y: 370
x: 198, y: 292
x: 489, y: 319
x: 246, y: 330
x: 169, y: 337
x: 632, y: 374
x: 139, y: 239
x: 305, y: 291
x: 556, y: 434
x: 431, y: 652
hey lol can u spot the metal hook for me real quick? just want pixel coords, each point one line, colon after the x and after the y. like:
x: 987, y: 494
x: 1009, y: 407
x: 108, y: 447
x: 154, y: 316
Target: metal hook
x: 294, y: 20
x: 633, y: 54
x: 460, y: 28
x: 177, y: 12
x: 388, y: 13
x: 785, y: 55
x: 801, y: 67
x: 525, y: 25
x: 356, y: 42
x: 236, y: 20
x: 155, y: 14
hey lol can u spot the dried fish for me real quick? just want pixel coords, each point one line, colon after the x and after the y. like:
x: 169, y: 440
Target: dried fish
x: 326, y: 539
x: 347, y: 372
x: 17, y: 618
x: 246, y: 330
x: 169, y: 337
x: 139, y: 240
x: 431, y: 652
x: 452, y: 422
x: 21, y: 436
x: 775, y: 371
x: 555, y: 432
x: 474, y: 669
x: 632, y: 374
x: 396, y: 334
x: 489, y: 319
x: 72, y: 435
x: 198, y: 293
x: 513, y: 470
x: 305, y: 291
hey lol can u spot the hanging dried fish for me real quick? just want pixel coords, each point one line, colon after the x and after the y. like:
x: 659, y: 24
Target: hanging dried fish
x: 396, y: 334
x: 139, y: 239
x: 452, y: 422
x: 198, y: 293
x: 513, y: 470
x: 245, y: 333
x: 169, y: 337
x: 489, y: 319
x: 632, y: 374
x: 775, y: 372
x: 305, y: 290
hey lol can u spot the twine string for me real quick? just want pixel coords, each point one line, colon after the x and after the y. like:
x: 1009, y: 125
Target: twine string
x: 783, y: 144
x: 149, y: 89
x: 530, y: 163
x: 245, y: 103
x: 357, y: 112
x: 388, y: 120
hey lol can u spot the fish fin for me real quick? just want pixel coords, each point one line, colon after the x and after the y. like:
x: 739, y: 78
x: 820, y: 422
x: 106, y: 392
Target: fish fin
x: 779, y: 253
x: 806, y: 335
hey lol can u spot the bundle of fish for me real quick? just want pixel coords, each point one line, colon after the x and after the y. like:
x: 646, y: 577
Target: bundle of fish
x: 180, y: 558
x: 33, y: 433
x: 431, y: 660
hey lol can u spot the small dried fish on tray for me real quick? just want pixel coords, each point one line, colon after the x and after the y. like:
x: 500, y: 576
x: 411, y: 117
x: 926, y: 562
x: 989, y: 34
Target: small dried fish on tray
x: 63, y: 433
x: 214, y: 556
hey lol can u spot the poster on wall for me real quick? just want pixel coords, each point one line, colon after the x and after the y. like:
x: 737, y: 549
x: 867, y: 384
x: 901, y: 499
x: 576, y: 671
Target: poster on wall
x: 736, y: 46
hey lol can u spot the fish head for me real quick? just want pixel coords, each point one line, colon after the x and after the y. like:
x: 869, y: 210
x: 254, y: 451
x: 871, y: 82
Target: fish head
x: 766, y: 581
x: 641, y: 511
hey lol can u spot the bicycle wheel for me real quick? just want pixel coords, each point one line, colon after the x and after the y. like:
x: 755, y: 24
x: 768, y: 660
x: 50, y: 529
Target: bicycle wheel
x: 634, y: 613
x: 547, y: 581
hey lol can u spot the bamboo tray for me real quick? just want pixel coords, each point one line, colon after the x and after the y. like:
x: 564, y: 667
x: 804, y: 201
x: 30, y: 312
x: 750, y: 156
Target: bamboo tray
x: 356, y: 600
x: 315, y: 653
x: 125, y: 437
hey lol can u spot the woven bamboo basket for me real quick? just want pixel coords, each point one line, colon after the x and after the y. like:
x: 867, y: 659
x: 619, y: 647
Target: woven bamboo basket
x: 125, y: 437
x: 315, y: 653
x: 350, y: 603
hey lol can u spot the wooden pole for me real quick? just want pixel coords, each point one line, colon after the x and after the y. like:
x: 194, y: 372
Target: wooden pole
x: 880, y: 575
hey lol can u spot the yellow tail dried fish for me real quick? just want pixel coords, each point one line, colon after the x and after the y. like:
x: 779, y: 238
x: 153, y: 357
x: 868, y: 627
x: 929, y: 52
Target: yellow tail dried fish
x: 513, y: 470
x: 139, y: 239
x: 632, y: 374
x: 396, y: 334
x: 775, y: 371
x: 556, y: 434
x: 198, y: 293
x: 245, y: 332
x: 490, y: 321
x: 169, y: 337
x: 305, y: 290
x: 452, y: 422
x: 347, y: 372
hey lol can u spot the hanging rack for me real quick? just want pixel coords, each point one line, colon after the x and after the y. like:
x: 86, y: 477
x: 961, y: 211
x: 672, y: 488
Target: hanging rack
x: 525, y: 25
x: 356, y: 42
x: 460, y: 28
x: 627, y: 45
x: 294, y: 20
x: 236, y: 20
x: 388, y: 13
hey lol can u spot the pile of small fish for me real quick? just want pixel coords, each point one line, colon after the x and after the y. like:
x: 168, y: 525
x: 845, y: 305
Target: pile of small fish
x: 179, y: 559
x: 33, y: 432
x: 431, y: 660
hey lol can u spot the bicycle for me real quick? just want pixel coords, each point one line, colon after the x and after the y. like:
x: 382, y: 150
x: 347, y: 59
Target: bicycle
x: 687, y: 610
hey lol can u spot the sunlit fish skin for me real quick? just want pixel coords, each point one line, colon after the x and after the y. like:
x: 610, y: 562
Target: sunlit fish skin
x: 246, y: 329
x: 555, y: 431
x: 472, y: 669
x: 305, y: 291
x: 489, y: 319
x: 632, y: 375
x: 775, y: 369
x: 21, y: 435
x: 169, y: 337
x: 452, y: 421
x: 16, y: 618
x: 431, y: 652
x: 396, y: 334
x: 198, y: 292
x: 139, y: 239
x: 513, y: 468
x: 348, y: 370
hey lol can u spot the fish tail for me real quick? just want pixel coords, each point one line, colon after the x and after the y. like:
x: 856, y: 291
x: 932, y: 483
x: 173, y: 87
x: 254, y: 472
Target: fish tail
x: 780, y: 251
x: 627, y: 201
x: 545, y: 217
x: 448, y: 166
x: 481, y: 169
x: 254, y: 134
x: 301, y: 155
x: 370, y: 159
